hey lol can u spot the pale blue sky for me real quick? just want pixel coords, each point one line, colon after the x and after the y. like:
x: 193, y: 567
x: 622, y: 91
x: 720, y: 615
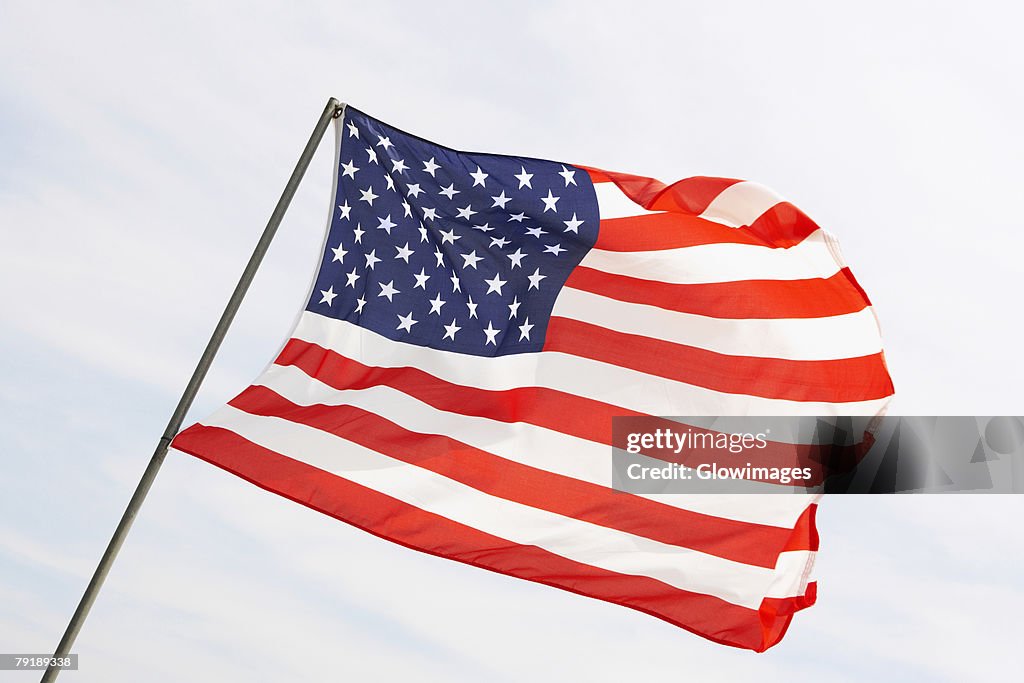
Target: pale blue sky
x: 144, y: 147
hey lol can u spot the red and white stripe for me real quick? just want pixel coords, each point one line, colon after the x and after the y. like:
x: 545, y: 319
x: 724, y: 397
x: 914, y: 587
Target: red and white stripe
x: 710, y: 296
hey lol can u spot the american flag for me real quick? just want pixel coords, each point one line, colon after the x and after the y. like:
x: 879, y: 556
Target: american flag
x: 478, y: 319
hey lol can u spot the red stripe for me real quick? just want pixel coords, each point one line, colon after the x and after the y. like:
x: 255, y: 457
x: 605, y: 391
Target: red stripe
x: 834, y: 381
x: 805, y: 532
x: 810, y: 298
x: 689, y: 195
x: 856, y: 285
x: 414, y: 528
x: 775, y: 610
x: 744, y: 542
x: 640, y: 189
x: 783, y: 225
x: 669, y: 231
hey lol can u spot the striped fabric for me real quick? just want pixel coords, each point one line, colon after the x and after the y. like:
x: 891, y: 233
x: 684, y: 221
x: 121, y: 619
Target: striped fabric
x: 706, y: 297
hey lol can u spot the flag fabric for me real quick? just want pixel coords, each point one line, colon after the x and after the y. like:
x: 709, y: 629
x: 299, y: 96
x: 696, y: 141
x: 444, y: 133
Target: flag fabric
x: 476, y: 321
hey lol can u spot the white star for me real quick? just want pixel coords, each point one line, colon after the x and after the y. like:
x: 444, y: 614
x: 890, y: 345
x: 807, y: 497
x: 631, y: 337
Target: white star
x: 524, y: 178
x: 388, y: 290
x: 352, y: 277
x: 350, y: 170
x: 328, y: 296
x: 455, y: 283
x: 524, y: 330
x: 517, y: 217
x: 372, y: 156
x: 450, y: 330
x: 360, y: 302
x: 436, y: 303
x: 404, y: 252
x: 535, y: 279
x: 353, y: 132
x: 390, y: 182
x: 513, y: 308
x: 367, y: 195
x: 339, y: 253
x: 430, y: 166
x: 498, y: 242
x: 471, y: 305
x: 501, y: 200
x: 491, y: 334
x: 449, y: 237
x: 429, y: 213
x: 406, y: 209
x: 371, y: 259
x: 406, y: 322
x: 399, y: 166
x: 414, y: 190
x: 555, y: 249
x: 573, y: 225
x: 449, y: 191
x: 423, y: 233
x: 421, y: 279
x: 495, y: 284
x: 517, y: 258
x: 386, y: 224
x: 471, y: 259
x: 345, y: 208
x: 570, y: 176
x: 536, y: 232
x: 483, y: 228
x: 466, y: 212
x: 478, y: 178
x: 384, y: 142
x: 549, y: 202
x: 439, y: 256
x: 359, y: 232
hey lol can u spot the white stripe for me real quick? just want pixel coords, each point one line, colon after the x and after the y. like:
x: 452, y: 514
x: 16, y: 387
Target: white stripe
x: 591, y: 379
x: 792, y: 574
x: 741, y: 204
x: 840, y: 336
x: 810, y: 258
x: 609, y: 549
x: 613, y: 203
x: 523, y: 443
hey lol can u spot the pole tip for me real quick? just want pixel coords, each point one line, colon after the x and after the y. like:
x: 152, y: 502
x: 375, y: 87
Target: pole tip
x: 339, y: 107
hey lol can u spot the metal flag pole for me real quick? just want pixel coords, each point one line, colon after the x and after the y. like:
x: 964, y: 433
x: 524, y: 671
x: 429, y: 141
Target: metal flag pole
x: 331, y: 111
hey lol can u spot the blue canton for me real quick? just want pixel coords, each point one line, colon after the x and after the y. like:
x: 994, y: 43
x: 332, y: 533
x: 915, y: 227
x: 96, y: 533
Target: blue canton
x: 451, y: 250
